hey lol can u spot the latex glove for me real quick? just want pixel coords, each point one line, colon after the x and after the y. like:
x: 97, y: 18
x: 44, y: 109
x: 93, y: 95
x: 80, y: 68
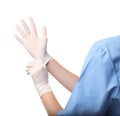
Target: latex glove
x: 39, y: 75
x: 35, y: 45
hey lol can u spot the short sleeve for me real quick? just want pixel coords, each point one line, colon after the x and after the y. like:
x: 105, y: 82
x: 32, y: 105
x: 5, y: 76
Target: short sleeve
x: 96, y: 87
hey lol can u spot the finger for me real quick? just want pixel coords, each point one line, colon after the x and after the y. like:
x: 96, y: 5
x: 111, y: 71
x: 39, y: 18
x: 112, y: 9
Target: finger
x: 44, y: 33
x: 21, y: 31
x: 33, y: 27
x: 30, y: 71
x: 27, y: 72
x: 19, y: 39
x: 25, y: 27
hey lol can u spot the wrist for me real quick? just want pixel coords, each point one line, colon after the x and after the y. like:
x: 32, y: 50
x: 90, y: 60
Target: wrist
x: 47, y: 58
x: 44, y: 60
x: 43, y: 88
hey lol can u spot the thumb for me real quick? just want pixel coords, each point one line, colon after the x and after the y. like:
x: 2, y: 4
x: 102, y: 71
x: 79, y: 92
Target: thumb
x: 44, y: 33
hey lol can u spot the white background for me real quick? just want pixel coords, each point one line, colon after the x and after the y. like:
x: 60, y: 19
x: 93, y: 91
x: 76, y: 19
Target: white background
x: 72, y: 25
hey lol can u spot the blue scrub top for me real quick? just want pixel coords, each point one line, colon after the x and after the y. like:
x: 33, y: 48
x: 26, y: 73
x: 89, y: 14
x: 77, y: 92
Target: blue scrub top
x: 97, y: 92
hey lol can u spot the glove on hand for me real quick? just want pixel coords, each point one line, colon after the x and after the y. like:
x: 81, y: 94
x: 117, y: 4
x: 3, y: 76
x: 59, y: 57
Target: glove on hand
x: 39, y: 75
x: 35, y: 45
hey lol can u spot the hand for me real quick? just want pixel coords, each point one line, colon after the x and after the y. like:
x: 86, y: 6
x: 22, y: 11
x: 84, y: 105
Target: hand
x: 39, y: 75
x: 35, y: 45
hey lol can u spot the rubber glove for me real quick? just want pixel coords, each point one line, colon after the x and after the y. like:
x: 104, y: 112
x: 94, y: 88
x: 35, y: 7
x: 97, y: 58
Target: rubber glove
x: 39, y: 75
x: 35, y: 45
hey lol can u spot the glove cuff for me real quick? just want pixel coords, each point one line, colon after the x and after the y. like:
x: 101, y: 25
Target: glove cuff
x: 47, y: 58
x: 43, y: 88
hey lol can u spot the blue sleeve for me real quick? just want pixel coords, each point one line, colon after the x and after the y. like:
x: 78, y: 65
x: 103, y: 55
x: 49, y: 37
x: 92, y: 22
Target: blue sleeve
x: 96, y: 87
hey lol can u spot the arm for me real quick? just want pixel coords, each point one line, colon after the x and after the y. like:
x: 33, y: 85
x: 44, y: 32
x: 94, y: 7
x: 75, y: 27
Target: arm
x: 66, y: 78
x: 39, y: 75
x: 51, y: 104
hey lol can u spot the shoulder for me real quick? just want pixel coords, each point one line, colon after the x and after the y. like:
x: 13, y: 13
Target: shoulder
x: 110, y: 42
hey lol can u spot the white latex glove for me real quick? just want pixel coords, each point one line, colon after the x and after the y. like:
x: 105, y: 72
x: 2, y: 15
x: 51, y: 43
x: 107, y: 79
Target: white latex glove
x: 35, y: 45
x: 39, y: 75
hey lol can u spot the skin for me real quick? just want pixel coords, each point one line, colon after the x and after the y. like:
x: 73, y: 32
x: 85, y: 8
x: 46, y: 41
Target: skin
x: 51, y: 104
x: 66, y: 78
x: 32, y: 43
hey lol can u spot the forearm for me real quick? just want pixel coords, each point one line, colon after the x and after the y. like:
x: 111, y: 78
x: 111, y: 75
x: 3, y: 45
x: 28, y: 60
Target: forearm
x: 51, y: 104
x: 65, y: 77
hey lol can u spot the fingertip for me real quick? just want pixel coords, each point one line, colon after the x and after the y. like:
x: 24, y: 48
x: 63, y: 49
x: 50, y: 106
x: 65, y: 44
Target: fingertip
x: 44, y: 26
x: 28, y: 73
x: 22, y: 21
x: 44, y: 29
x: 44, y: 32
x: 30, y: 18
x: 19, y: 39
